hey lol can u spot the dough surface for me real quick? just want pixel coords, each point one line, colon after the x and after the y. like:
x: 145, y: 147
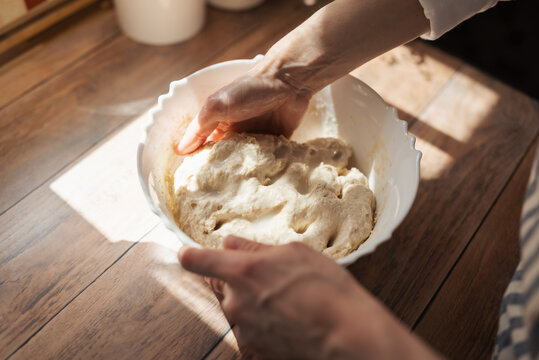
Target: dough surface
x: 273, y: 190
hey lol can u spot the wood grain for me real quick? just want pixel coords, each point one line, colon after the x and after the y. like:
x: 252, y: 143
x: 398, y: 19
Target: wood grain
x: 462, y: 320
x: 11, y: 11
x: 152, y: 309
x: 62, y: 236
x: 19, y: 14
x: 473, y: 135
x: 52, y: 55
x: 19, y: 35
x: 408, y: 77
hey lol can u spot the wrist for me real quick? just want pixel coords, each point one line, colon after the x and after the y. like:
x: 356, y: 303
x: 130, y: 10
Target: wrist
x: 366, y: 329
x: 361, y: 330
x: 282, y: 70
x: 296, y: 62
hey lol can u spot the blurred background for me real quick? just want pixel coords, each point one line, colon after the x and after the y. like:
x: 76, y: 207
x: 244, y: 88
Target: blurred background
x: 503, y: 41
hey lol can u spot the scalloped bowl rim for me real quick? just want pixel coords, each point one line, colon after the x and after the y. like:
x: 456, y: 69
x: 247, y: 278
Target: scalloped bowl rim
x: 362, y: 250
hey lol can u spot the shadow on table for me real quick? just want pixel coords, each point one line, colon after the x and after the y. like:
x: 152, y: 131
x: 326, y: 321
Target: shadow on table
x: 473, y: 136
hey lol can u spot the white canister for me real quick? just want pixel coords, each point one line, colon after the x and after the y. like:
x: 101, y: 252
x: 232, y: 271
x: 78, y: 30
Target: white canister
x: 235, y: 4
x: 160, y: 22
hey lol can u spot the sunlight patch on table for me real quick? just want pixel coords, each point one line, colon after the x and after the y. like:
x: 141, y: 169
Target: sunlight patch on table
x: 425, y: 75
x: 103, y: 187
x: 452, y: 125
x: 434, y: 161
x: 166, y: 243
x: 462, y: 108
x: 190, y: 289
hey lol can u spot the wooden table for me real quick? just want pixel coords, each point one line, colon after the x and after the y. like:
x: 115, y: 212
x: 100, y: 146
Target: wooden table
x: 86, y: 270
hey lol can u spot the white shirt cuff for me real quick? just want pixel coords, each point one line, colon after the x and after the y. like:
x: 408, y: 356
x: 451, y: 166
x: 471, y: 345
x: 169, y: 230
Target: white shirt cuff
x: 446, y: 14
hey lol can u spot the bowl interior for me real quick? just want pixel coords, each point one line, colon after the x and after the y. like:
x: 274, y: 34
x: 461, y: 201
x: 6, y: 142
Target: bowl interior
x: 349, y: 109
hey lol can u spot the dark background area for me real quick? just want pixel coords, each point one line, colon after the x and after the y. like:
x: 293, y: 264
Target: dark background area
x: 502, y: 41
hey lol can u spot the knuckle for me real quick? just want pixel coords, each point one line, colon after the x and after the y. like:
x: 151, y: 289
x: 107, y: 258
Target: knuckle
x: 244, y: 269
x: 297, y: 246
x: 297, y: 251
x: 217, y: 104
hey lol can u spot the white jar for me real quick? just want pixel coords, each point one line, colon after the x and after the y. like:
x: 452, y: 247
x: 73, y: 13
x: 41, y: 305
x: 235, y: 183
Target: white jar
x: 235, y: 4
x: 160, y: 22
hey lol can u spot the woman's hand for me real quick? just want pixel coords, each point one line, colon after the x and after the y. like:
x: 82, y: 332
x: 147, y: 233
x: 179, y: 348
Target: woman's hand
x: 335, y: 40
x: 256, y: 102
x: 290, y: 301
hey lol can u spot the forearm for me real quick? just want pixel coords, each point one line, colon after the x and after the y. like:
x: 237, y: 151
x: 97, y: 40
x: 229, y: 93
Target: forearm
x: 366, y: 329
x: 340, y: 37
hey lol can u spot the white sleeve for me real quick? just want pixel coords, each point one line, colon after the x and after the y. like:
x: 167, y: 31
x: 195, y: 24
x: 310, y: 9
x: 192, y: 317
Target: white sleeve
x: 446, y: 14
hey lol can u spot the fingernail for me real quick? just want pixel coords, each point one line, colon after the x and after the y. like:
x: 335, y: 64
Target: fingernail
x: 187, y: 145
x: 189, y: 142
x: 181, y: 147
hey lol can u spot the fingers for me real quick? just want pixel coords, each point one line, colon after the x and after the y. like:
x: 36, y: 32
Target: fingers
x: 195, y: 135
x: 216, y: 135
x: 232, y: 242
x: 219, y: 264
x: 208, y: 262
x: 214, y: 110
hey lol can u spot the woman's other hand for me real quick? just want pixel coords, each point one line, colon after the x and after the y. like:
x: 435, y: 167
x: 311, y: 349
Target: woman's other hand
x: 290, y: 301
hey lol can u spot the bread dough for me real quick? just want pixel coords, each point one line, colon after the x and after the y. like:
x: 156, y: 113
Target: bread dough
x: 274, y: 191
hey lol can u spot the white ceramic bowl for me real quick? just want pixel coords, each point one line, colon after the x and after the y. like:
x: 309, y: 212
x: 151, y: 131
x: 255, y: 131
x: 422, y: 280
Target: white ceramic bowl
x: 235, y: 5
x: 349, y: 109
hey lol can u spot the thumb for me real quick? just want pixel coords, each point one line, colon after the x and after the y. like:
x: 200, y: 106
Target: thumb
x: 214, y: 110
x: 196, y: 133
x: 232, y: 242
